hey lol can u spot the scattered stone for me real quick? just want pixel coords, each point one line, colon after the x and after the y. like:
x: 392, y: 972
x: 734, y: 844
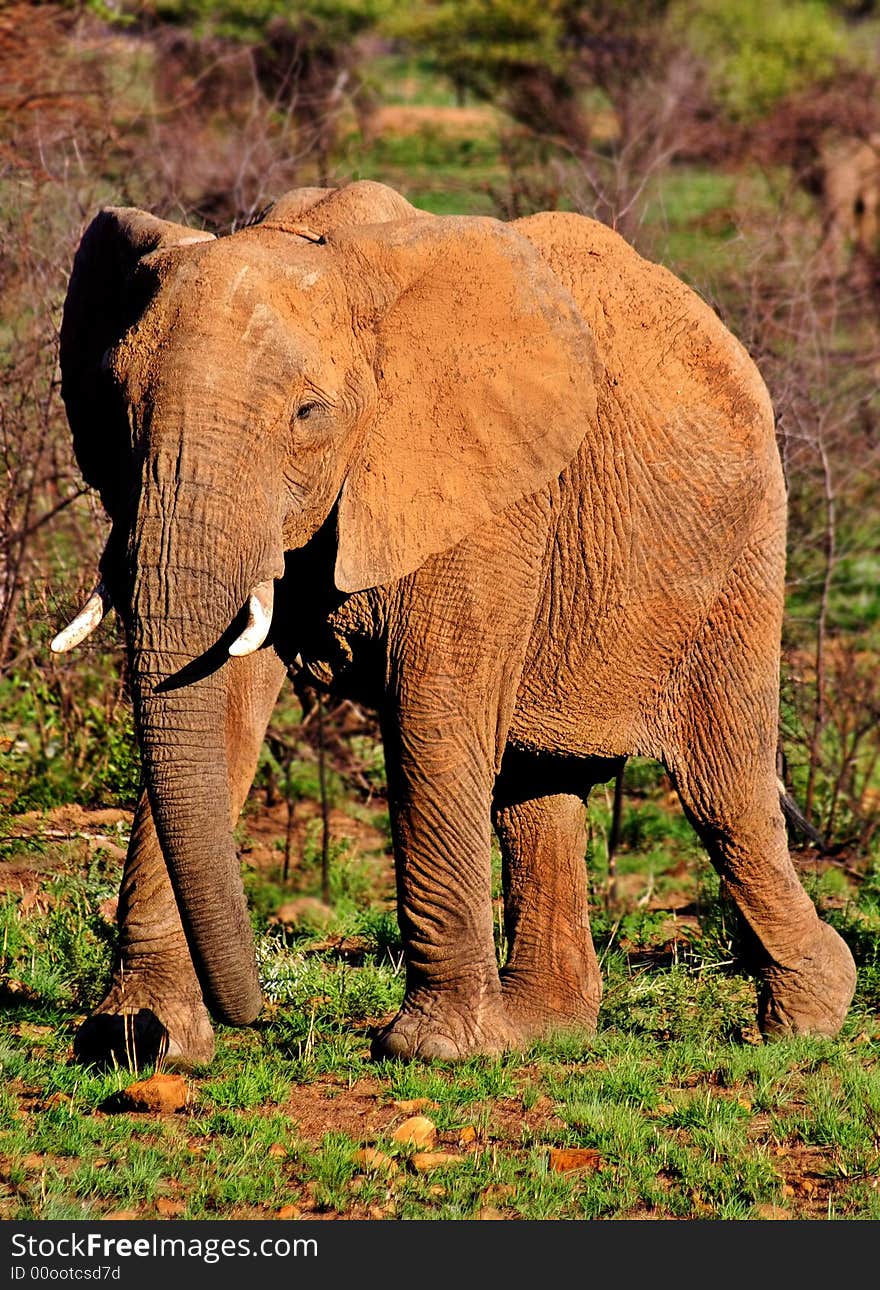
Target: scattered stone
x: 371, y: 1159
x: 466, y: 1135
x: 564, y: 1160
x: 773, y: 1213
x: 170, y: 1208
x: 417, y: 1131
x: 289, y: 1211
x: 305, y: 911
x: 501, y: 1192
x: 413, y: 1105
x: 424, y: 1162
x: 382, y: 1211
x: 160, y: 1093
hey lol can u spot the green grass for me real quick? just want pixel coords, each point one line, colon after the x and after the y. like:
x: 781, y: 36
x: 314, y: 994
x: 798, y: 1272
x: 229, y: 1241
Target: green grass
x: 691, y: 1116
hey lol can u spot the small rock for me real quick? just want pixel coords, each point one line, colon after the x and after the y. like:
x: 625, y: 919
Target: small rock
x: 289, y: 1211
x: 162, y: 1093
x: 305, y: 911
x: 381, y: 1211
x: 566, y: 1159
x: 772, y: 1212
x: 413, y: 1105
x: 424, y: 1162
x: 170, y: 1208
x: 277, y: 1151
x: 501, y: 1192
x: 417, y: 1131
x: 466, y: 1135
x: 371, y: 1159
x: 487, y: 1213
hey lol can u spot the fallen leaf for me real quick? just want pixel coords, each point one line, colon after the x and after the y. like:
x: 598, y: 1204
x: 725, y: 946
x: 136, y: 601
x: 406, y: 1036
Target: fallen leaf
x: 59, y: 1099
x: 160, y: 1093
x: 29, y: 1030
x: 289, y: 1211
x: 417, y: 1131
x: 426, y: 1161
x: 370, y: 1158
x: 170, y: 1208
x: 414, y: 1104
x: 565, y: 1160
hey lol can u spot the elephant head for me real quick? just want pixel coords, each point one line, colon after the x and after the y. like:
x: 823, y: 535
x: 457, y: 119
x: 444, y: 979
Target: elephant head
x: 414, y: 374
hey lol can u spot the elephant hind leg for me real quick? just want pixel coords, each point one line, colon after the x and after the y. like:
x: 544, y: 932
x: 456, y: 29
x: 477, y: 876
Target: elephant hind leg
x: 722, y: 759
x: 154, y: 1008
x: 551, y: 981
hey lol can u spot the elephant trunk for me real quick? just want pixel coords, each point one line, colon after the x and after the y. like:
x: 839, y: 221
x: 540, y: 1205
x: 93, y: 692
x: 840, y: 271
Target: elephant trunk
x: 183, y: 737
x: 191, y: 582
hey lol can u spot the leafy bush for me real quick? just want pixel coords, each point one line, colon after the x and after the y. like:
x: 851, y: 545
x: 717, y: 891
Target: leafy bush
x: 760, y: 51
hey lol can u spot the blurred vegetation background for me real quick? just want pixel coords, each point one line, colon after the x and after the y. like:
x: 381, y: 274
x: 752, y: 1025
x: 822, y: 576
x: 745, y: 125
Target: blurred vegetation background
x: 736, y: 141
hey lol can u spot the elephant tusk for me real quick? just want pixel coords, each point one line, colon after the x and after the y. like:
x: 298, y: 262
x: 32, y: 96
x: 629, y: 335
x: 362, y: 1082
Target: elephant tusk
x: 258, y: 623
x: 85, y: 622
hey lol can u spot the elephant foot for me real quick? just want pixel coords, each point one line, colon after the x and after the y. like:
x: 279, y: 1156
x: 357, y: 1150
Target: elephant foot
x: 538, y: 1010
x: 441, y: 1025
x: 135, y: 1027
x: 811, y: 996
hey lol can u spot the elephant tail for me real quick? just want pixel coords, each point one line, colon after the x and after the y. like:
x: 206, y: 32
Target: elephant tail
x: 796, y: 821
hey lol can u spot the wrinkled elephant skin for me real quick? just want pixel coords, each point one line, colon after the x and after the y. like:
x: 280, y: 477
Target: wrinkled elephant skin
x: 513, y: 485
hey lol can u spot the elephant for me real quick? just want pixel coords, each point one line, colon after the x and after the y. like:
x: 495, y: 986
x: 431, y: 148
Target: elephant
x: 510, y: 484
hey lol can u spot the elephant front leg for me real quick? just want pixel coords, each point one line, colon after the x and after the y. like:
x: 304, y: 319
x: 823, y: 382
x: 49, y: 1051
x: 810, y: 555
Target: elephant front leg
x: 453, y: 1008
x: 551, y: 981
x: 154, y: 1007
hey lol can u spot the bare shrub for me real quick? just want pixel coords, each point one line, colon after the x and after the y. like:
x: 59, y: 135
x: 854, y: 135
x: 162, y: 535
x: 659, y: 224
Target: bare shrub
x: 816, y: 344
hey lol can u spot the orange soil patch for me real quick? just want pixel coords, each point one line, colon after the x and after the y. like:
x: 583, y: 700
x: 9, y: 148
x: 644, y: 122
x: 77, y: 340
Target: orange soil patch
x: 464, y: 122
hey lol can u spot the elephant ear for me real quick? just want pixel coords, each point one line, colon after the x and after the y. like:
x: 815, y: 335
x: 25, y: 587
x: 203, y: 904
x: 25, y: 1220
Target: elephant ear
x: 486, y: 377
x: 99, y: 307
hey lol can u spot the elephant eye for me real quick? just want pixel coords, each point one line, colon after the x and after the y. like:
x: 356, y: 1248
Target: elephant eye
x: 305, y: 411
